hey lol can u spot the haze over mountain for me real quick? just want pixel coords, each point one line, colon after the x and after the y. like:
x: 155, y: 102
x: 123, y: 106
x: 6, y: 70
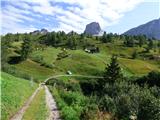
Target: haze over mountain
x: 150, y: 29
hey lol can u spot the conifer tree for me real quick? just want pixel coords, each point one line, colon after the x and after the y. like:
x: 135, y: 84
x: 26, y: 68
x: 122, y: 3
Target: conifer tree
x: 26, y: 48
x: 112, y: 72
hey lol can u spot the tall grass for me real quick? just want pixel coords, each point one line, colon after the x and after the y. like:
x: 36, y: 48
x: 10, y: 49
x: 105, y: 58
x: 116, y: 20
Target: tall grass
x: 15, y: 91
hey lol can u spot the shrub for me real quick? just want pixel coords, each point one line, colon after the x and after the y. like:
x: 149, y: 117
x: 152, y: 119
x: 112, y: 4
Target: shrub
x: 149, y: 106
x: 37, y: 58
x: 123, y: 103
x: 68, y: 113
x: 45, y: 64
x: 91, y: 109
x: 72, y: 86
x: 107, y: 104
x: 134, y: 54
x: 153, y: 78
x: 72, y: 98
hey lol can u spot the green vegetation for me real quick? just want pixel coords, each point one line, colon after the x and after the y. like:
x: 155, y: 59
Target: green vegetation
x: 130, y: 87
x: 26, y: 48
x: 37, y: 110
x: 117, y: 97
x: 49, y: 54
x: 71, y: 104
x: 47, y: 51
x: 15, y: 91
x: 70, y: 100
x: 34, y: 70
x: 80, y: 62
x: 138, y: 67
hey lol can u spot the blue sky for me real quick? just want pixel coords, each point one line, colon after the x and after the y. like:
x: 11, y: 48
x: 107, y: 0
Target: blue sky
x: 115, y: 16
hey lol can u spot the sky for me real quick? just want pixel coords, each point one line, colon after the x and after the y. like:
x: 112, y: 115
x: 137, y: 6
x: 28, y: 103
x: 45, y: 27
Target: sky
x: 116, y: 16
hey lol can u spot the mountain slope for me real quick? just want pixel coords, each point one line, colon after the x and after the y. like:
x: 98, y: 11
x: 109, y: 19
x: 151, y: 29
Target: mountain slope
x: 150, y: 29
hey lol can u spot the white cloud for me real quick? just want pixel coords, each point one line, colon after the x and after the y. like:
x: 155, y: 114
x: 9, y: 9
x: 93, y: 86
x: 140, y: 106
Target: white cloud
x: 71, y: 17
x: 13, y: 27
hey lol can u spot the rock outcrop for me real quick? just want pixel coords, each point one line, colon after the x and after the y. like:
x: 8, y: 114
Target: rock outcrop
x: 93, y: 29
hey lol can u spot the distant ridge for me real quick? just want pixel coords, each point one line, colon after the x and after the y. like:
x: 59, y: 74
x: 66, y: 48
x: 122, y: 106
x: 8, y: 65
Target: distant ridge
x: 42, y: 31
x: 150, y: 29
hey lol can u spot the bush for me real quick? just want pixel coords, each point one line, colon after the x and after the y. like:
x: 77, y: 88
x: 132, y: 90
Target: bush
x: 67, y: 85
x: 68, y: 113
x: 125, y: 99
x: 149, y: 106
x: 124, y: 108
x: 73, y: 98
x: 134, y: 55
x: 72, y: 86
x: 71, y: 104
x: 45, y: 64
x: 91, y: 109
x: 89, y: 86
x: 37, y: 58
x: 152, y: 79
x: 107, y: 104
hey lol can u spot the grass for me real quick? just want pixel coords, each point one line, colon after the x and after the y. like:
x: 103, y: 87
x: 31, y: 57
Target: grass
x: 118, y: 49
x: 34, y: 70
x: 137, y: 67
x: 80, y: 62
x: 37, y: 109
x: 15, y: 91
x: 49, y: 54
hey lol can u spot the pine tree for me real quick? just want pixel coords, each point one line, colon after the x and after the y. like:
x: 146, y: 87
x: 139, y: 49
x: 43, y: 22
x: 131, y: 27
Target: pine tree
x: 26, y: 48
x: 104, y: 37
x: 112, y: 72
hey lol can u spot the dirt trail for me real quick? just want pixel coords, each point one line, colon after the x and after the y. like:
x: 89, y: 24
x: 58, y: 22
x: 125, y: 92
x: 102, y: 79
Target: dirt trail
x: 20, y: 113
x: 51, y: 104
x: 54, y: 113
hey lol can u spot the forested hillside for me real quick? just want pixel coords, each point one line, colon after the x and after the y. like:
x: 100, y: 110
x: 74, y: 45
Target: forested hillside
x: 104, y: 77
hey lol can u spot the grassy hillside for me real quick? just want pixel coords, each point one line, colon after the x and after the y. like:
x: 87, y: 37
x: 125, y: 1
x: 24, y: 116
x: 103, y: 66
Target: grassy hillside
x: 37, y: 109
x: 137, y: 67
x: 15, y: 91
x: 80, y: 62
x: 34, y: 69
x: 43, y: 63
x: 43, y: 56
x: 49, y: 54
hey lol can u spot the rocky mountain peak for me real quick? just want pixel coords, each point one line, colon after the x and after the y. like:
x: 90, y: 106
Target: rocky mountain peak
x: 42, y: 31
x: 93, y: 28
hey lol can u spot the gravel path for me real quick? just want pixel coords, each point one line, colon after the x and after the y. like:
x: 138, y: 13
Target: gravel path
x: 51, y: 104
x: 20, y: 113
